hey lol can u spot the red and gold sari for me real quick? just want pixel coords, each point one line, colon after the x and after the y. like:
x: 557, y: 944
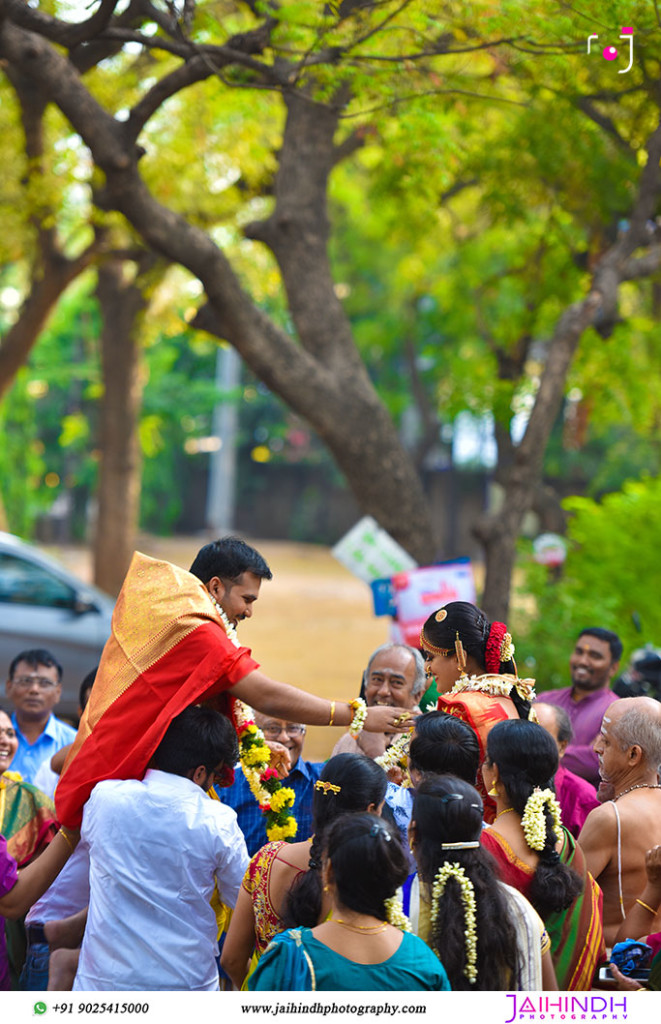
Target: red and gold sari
x: 577, y: 938
x: 481, y: 711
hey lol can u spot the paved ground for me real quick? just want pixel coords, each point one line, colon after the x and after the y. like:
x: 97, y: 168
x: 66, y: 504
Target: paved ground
x: 313, y: 625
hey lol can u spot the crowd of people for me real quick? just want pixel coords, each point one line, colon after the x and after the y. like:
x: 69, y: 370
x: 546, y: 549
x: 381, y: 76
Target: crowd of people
x: 465, y: 834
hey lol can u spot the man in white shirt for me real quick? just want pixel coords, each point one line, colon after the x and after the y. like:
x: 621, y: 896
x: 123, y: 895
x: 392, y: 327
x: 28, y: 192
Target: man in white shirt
x: 157, y: 847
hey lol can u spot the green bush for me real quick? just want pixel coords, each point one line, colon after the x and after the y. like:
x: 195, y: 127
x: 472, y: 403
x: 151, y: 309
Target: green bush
x: 610, y: 579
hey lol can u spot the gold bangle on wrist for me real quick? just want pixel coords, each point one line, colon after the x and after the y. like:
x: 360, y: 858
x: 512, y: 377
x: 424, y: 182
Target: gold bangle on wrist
x: 67, y: 838
x: 332, y: 713
x: 647, y: 907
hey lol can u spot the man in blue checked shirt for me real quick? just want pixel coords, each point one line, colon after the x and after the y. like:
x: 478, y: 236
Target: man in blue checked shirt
x: 301, y: 779
x: 34, y: 687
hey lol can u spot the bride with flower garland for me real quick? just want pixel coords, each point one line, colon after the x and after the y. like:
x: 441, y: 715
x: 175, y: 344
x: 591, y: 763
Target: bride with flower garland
x: 470, y: 660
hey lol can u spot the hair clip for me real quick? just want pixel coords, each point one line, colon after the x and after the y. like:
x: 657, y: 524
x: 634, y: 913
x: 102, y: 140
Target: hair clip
x: 327, y: 787
x: 460, y: 846
x: 449, y: 797
x: 380, y: 830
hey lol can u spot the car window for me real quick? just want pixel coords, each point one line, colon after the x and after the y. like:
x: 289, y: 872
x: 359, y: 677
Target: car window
x: 22, y: 582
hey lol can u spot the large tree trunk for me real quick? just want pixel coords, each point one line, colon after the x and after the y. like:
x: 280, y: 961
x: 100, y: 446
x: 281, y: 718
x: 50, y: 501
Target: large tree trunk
x: 122, y: 302
x: 329, y: 387
x: 319, y: 373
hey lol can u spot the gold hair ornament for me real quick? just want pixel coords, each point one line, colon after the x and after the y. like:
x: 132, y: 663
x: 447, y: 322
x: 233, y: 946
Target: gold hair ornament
x: 441, y: 614
x: 461, y: 656
x: 431, y: 648
x: 327, y: 787
x: 507, y: 649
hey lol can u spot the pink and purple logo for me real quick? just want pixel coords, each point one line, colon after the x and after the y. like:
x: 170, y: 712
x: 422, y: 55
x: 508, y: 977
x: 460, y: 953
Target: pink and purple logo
x: 611, y: 52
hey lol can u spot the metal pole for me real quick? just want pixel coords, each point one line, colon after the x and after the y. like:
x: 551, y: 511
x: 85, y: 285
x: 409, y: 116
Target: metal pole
x: 221, y: 492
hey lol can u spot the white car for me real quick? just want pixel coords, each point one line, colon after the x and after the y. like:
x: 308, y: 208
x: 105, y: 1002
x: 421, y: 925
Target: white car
x: 43, y: 605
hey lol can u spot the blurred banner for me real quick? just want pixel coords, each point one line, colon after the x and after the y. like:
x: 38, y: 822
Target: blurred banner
x: 419, y: 592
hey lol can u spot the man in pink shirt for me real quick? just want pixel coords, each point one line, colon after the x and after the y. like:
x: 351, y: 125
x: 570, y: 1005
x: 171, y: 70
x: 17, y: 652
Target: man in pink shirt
x: 575, y: 795
x: 592, y: 664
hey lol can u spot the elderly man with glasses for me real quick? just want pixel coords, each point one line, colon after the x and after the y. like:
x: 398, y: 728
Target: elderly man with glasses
x: 34, y: 687
x: 301, y: 779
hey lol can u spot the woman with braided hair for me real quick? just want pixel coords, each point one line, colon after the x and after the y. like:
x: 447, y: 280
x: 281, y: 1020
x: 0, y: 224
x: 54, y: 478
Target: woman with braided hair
x: 470, y: 660
x: 363, y: 944
x: 486, y: 933
x: 282, y: 885
x: 537, y: 855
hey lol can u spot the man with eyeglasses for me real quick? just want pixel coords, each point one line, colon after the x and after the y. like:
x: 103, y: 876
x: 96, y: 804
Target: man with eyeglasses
x: 34, y: 687
x: 301, y: 779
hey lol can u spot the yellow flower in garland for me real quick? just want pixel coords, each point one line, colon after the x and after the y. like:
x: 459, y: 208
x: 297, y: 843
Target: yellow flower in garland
x: 283, y: 798
x: 277, y: 832
x: 273, y: 799
x: 253, y: 756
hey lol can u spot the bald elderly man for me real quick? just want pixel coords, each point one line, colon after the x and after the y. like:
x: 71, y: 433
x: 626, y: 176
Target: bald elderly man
x: 616, y: 835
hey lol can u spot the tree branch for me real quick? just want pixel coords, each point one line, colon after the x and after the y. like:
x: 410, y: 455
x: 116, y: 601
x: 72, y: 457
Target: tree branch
x: 583, y: 104
x: 206, y: 61
x: 643, y: 266
x: 63, y: 33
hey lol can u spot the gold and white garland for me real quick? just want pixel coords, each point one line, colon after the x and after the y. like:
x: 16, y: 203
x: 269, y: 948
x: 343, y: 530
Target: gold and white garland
x: 397, y: 756
x: 495, y: 686
x: 395, y: 914
x: 534, y: 821
x: 230, y: 630
x: 451, y: 869
x: 358, y: 716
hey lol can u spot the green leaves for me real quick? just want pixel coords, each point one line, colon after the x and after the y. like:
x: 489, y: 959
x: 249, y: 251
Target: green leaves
x: 606, y: 580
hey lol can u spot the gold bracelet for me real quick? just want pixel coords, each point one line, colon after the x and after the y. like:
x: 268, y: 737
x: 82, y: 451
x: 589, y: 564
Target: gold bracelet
x: 332, y: 715
x: 647, y: 907
x: 67, y: 838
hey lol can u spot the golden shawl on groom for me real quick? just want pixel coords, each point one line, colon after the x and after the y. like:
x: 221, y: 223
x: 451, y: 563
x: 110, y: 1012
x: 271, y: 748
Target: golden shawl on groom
x: 168, y: 649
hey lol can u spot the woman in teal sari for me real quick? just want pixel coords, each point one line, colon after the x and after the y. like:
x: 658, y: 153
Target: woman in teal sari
x: 356, y: 949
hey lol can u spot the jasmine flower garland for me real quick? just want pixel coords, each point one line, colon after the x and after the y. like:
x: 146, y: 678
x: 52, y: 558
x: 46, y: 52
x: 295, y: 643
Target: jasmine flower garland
x: 358, y: 716
x: 397, y: 756
x: 395, y: 914
x: 534, y: 820
x: 495, y: 685
x: 455, y: 870
x: 230, y: 630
